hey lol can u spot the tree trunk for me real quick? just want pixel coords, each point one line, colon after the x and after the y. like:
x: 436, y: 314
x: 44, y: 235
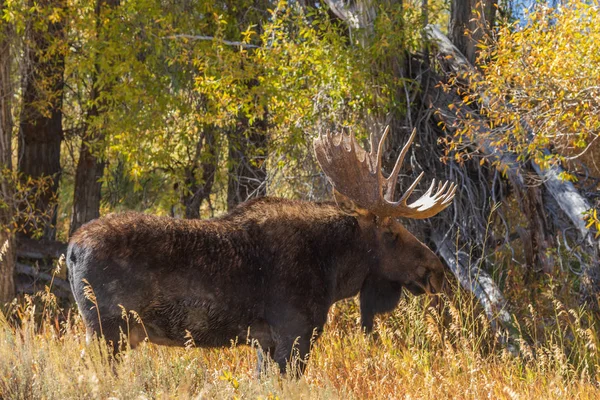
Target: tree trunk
x: 88, y: 187
x: 90, y: 167
x: 7, y: 265
x: 564, y: 192
x: 473, y: 279
x: 196, y: 191
x: 359, y: 16
x: 7, y: 239
x: 470, y: 20
x: 40, y: 133
x: 247, y: 169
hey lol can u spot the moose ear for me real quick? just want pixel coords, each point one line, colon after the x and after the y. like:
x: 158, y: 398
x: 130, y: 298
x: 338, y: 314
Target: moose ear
x: 348, y: 206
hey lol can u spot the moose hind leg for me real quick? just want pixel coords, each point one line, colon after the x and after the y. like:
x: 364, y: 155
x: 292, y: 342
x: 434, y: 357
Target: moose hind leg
x: 262, y: 341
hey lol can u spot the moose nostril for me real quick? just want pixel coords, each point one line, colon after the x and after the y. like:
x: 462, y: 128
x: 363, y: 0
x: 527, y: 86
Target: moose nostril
x: 430, y: 284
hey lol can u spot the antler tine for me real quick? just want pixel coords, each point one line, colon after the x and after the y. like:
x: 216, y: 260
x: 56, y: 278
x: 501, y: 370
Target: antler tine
x: 409, y: 191
x: 439, y: 193
x: 380, y: 149
x: 361, y: 154
x: 428, y: 206
x: 393, y: 178
x: 357, y: 175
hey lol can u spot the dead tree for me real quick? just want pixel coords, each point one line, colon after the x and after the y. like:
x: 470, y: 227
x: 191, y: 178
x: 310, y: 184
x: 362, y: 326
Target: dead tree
x: 571, y: 202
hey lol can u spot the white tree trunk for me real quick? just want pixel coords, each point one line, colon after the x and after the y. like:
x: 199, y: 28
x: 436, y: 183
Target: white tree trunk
x: 359, y: 16
x: 475, y: 280
x: 572, y: 203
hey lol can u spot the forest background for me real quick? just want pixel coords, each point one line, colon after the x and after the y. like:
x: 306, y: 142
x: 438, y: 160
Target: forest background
x: 188, y: 108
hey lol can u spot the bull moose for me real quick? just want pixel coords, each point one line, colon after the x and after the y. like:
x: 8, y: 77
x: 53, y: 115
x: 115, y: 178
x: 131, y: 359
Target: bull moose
x: 269, y: 270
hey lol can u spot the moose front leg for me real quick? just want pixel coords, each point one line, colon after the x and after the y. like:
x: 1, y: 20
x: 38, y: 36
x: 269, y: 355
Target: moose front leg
x: 261, y: 338
x: 293, y: 351
x: 263, y: 358
x: 377, y: 296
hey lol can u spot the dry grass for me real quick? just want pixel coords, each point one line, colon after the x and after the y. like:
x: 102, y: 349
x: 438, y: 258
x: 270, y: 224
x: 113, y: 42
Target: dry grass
x: 418, y: 352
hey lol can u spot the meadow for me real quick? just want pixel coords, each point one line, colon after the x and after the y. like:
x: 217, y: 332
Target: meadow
x: 416, y: 352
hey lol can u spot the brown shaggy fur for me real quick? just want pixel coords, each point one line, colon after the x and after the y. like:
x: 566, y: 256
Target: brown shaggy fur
x: 269, y: 270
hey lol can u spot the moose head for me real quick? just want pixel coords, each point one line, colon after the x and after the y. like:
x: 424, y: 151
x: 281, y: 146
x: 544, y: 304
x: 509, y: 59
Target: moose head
x: 363, y: 191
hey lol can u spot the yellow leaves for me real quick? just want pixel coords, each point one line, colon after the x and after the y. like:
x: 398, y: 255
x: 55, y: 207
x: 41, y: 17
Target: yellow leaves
x: 248, y: 33
x: 547, y: 75
x: 55, y: 15
x: 592, y: 221
x: 566, y: 176
x: 228, y: 377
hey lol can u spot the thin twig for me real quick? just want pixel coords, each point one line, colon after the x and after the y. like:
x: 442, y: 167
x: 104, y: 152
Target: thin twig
x: 212, y: 38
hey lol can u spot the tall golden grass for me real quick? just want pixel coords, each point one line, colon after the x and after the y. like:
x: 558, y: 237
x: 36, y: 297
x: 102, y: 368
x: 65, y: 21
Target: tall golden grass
x: 417, y: 352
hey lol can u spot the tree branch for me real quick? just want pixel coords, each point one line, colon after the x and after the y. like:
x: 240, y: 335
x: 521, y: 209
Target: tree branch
x: 39, y: 249
x: 571, y: 202
x: 212, y: 39
x: 28, y: 270
x: 475, y: 280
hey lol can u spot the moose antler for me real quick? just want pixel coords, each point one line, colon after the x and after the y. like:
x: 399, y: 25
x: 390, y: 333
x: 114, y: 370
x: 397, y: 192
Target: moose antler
x: 357, y: 175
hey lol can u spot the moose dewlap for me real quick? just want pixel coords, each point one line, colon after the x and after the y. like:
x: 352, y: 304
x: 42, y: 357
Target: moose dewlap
x: 268, y: 271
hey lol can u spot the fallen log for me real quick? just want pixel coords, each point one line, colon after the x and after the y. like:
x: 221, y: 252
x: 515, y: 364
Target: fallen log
x: 39, y: 249
x: 28, y: 270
